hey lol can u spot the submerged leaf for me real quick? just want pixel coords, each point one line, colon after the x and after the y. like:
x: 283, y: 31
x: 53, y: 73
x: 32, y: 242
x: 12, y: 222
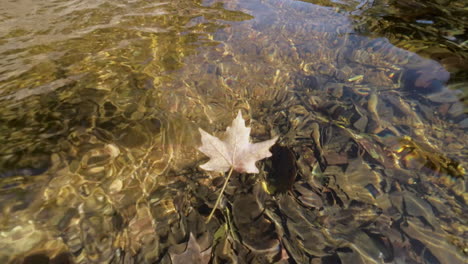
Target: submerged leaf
x: 235, y: 150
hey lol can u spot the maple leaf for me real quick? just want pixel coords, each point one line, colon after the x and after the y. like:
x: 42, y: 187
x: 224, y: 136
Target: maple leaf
x: 192, y: 254
x: 235, y: 151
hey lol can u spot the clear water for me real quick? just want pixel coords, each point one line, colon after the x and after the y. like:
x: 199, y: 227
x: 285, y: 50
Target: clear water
x: 100, y: 104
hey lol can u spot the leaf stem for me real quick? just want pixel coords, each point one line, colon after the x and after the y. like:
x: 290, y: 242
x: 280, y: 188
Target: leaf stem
x: 220, y: 194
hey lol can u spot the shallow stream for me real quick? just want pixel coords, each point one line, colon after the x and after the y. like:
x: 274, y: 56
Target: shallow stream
x: 101, y: 101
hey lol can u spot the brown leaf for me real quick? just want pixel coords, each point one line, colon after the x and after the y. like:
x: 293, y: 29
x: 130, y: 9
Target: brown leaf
x: 235, y: 150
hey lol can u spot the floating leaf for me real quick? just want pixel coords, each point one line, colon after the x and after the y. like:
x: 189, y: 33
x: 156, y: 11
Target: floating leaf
x: 235, y: 151
x: 192, y: 254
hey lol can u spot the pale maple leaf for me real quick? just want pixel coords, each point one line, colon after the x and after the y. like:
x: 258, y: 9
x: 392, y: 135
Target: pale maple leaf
x: 192, y: 254
x: 235, y: 151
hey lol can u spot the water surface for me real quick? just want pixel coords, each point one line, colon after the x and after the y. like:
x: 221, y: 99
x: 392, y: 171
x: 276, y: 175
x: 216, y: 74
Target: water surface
x: 100, y: 104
